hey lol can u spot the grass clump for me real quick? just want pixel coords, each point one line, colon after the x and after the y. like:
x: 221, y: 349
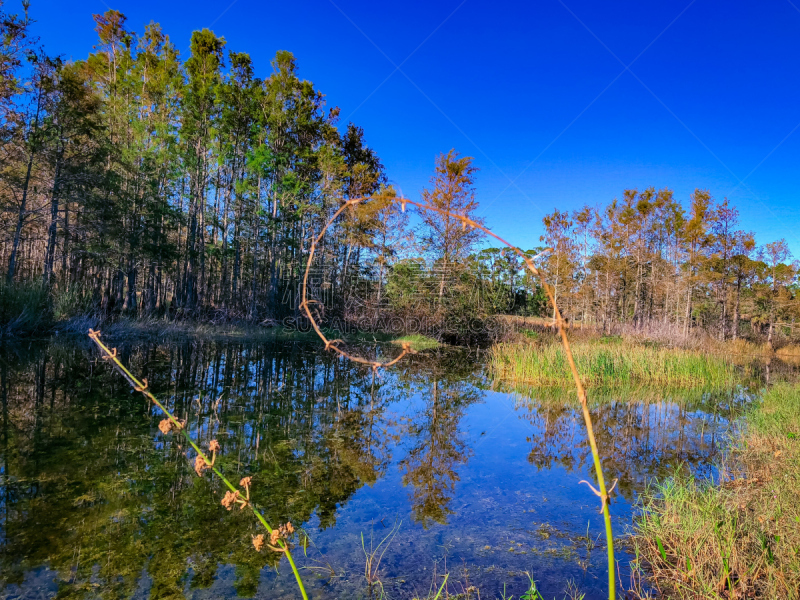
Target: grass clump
x: 25, y: 308
x: 744, y: 347
x: 610, y: 364
x: 418, y: 341
x: 739, y: 538
x: 73, y: 301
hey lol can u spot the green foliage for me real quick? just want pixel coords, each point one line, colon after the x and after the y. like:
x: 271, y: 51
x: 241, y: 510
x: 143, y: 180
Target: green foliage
x: 407, y: 286
x: 778, y: 416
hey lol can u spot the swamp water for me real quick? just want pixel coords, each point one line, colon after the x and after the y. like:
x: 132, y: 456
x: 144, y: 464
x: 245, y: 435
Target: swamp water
x: 451, y: 475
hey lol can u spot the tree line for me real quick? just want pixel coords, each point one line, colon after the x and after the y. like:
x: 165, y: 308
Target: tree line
x: 647, y: 261
x: 141, y: 182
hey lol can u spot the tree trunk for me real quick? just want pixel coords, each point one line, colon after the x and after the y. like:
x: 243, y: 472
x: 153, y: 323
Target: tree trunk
x: 724, y: 328
x: 65, y: 248
x: 53, y: 229
x: 688, y: 316
x: 735, y: 332
x: 12, y: 262
x: 771, y: 319
x: 252, y: 312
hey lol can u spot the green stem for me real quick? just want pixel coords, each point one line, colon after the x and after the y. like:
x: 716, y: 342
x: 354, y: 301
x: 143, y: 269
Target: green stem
x: 142, y: 387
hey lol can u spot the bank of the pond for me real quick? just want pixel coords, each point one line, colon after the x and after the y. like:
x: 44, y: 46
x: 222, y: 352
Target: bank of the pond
x: 738, y: 537
x: 165, y: 329
x: 610, y: 363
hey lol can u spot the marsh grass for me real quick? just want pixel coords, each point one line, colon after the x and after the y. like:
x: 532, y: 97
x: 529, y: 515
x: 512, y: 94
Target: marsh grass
x: 418, y: 341
x: 374, y: 555
x: 25, y: 308
x: 533, y: 592
x: 742, y: 347
x: 739, y: 537
x: 71, y: 302
x: 551, y: 397
x: 610, y: 363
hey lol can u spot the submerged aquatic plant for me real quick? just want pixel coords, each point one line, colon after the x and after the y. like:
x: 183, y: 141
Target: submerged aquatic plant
x: 278, y: 537
x: 334, y: 345
x: 374, y: 556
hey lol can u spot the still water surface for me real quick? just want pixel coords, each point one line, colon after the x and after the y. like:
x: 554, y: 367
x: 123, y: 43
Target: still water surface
x: 95, y: 502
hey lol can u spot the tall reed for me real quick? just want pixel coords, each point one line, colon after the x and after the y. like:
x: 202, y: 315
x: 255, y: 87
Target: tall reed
x: 278, y: 539
x: 610, y: 364
x: 601, y: 492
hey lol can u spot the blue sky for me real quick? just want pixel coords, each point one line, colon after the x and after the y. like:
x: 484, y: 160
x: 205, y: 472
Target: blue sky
x: 562, y: 103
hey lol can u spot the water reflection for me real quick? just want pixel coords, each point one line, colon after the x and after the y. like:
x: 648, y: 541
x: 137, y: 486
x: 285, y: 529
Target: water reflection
x: 641, y: 437
x: 94, y: 501
x: 438, y: 447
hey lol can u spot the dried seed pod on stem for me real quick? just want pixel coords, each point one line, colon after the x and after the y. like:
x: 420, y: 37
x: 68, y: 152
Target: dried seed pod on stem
x: 466, y: 222
x: 202, y: 462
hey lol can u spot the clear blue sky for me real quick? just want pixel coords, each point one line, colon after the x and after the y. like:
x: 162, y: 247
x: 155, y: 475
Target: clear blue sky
x: 538, y: 92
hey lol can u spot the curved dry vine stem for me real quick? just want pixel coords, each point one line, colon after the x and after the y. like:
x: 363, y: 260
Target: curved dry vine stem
x: 602, y: 493
x: 242, y: 499
x: 304, y: 301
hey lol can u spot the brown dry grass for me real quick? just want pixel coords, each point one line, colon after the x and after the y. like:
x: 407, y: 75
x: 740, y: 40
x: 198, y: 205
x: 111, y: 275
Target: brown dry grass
x: 789, y: 354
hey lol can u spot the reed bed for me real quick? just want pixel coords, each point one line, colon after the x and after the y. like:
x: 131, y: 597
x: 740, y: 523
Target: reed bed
x: 739, y: 537
x: 610, y: 364
x: 742, y: 347
x: 553, y: 397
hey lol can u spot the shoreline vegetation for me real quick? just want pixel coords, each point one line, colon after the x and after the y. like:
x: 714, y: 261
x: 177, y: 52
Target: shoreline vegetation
x: 615, y: 362
x: 132, y: 329
x: 738, y: 537
x: 529, y: 359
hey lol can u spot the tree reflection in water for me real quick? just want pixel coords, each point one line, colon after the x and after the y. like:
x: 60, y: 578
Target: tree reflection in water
x: 91, y: 490
x: 438, y: 446
x: 642, y: 434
